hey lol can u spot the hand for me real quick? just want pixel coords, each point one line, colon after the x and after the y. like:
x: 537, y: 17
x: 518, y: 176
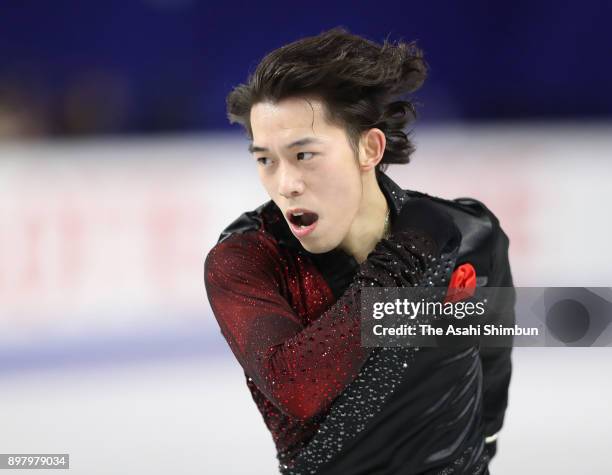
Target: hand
x: 421, y: 248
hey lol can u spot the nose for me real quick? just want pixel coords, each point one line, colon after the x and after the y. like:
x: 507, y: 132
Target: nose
x: 290, y: 182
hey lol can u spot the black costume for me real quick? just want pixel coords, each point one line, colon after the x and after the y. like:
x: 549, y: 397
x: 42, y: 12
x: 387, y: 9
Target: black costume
x: 292, y: 319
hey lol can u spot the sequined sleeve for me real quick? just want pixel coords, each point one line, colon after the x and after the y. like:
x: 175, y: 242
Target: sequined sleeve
x: 300, y: 368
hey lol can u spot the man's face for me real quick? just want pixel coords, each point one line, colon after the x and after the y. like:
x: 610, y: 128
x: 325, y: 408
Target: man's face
x: 307, y: 166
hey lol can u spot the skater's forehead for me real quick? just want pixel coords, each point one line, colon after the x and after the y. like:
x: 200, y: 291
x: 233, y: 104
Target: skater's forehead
x: 290, y: 123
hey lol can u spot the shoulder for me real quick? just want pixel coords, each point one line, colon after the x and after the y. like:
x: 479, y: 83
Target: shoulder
x: 248, y: 221
x: 483, y: 242
x: 245, y: 247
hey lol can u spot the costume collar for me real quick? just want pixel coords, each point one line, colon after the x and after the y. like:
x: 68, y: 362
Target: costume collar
x: 396, y: 196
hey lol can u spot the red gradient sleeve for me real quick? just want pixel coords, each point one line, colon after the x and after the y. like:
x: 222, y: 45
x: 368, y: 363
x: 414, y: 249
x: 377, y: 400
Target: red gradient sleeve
x: 300, y: 368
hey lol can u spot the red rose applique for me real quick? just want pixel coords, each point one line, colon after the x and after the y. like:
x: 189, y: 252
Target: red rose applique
x: 462, y: 283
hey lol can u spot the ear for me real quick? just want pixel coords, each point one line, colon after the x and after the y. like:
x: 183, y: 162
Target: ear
x: 371, y: 148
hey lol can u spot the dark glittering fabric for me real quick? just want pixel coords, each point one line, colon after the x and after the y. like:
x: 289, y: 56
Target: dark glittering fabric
x: 292, y: 319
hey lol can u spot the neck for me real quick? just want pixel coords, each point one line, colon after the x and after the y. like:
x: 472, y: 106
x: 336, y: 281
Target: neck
x: 368, y: 226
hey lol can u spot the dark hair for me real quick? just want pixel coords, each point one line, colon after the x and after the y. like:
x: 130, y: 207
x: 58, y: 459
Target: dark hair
x: 360, y: 83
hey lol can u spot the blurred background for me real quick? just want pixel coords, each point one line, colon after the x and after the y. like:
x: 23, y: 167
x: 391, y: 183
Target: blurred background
x: 118, y: 171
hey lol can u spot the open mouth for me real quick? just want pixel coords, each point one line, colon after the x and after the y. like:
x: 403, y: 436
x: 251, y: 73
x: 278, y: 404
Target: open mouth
x: 303, y: 218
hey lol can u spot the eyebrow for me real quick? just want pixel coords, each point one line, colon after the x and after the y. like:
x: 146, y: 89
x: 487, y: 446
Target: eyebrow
x: 297, y: 143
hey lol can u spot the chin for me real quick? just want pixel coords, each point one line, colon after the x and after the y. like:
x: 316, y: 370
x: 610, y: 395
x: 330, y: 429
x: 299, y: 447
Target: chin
x: 317, y: 248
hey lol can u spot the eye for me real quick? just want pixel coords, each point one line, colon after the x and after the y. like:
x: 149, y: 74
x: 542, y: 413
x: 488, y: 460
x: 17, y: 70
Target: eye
x: 264, y: 161
x: 305, y: 155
